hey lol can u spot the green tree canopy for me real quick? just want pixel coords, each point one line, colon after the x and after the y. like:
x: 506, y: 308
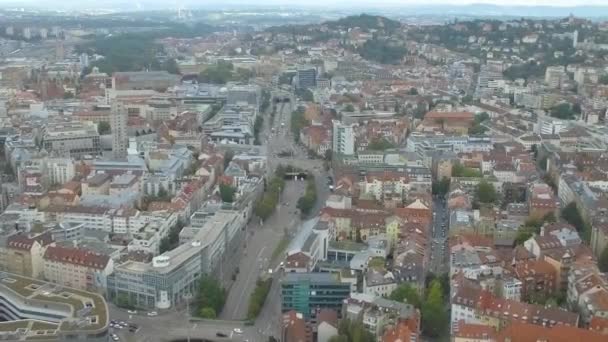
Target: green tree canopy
x: 486, y: 193
x: 573, y: 216
x: 603, y: 261
x: 459, y: 170
x: 103, y: 128
x: 228, y: 155
x: 564, y: 111
x: 208, y: 313
x: 435, y: 318
x: 441, y: 187
x: 210, y: 295
x: 405, y: 293
x: 227, y: 193
x: 380, y: 144
x: 382, y: 51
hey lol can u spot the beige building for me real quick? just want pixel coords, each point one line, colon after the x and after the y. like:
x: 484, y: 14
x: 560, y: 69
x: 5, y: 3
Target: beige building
x: 23, y: 254
x: 99, y: 184
x: 78, y: 268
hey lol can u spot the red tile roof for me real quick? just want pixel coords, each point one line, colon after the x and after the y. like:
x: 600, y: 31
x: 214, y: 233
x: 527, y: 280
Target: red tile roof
x: 524, y: 332
x: 475, y: 331
x: 76, y: 256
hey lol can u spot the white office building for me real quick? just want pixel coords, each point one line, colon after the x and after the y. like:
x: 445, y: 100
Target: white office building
x: 343, y: 138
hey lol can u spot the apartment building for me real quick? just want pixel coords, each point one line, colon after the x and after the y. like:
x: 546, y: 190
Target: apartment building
x: 482, y: 307
x: 343, y: 138
x: 77, y: 268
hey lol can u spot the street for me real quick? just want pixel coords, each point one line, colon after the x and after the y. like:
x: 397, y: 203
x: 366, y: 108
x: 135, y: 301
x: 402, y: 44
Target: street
x: 253, y: 258
x: 439, y: 248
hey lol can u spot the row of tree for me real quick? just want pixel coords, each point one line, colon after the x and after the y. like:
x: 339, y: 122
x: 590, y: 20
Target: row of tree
x: 257, y: 128
x: 435, y: 318
x: 298, y: 122
x: 307, y: 202
x: 210, y: 299
x: 258, y: 297
x: 266, y: 206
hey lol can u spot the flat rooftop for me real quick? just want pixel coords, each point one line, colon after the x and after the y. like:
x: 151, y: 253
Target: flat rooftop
x: 83, y: 311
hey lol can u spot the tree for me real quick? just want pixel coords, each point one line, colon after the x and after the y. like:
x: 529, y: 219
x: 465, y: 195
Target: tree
x: 227, y: 193
x: 170, y: 65
x: 434, y: 316
x: 603, y: 261
x: 573, y: 216
x: 338, y: 338
x: 220, y: 73
x: 307, y: 202
x: 123, y: 301
x: 258, y: 297
x: 522, y: 236
x: 380, y: 144
x: 349, y: 108
x: 486, y: 193
x: 162, y: 193
x: 103, y: 128
x: 563, y: 111
x: 328, y: 155
x: 459, y: 170
x: 407, y: 294
x: 305, y: 94
x: 210, y: 295
x: 412, y: 91
x: 382, y: 51
x: 208, y: 313
x: 353, y: 331
x: 441, y: 187
x: 228, y: 155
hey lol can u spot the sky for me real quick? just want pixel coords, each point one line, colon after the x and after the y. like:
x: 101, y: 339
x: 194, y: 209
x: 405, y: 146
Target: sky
x: 370, y: 3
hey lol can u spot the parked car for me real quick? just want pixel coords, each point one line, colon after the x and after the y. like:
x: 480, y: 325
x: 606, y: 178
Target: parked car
x: 220, y: 334
x: 152, y: 313
x: 238, y: 331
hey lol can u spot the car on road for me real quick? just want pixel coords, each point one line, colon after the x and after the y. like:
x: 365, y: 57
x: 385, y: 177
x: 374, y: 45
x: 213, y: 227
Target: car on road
x: 115, y: 337
x: 220, y: 334
x: 152, y: 313
x: 132, y: 312
x: 237, y: 331
x: 282, y: 264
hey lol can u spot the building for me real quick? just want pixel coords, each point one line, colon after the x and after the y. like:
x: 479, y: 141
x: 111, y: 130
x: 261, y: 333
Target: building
x: 538, y: 277
x: 306, y: 77
x: 37, y: 310
x: 474, y: 306
x: 379, y: 282
x: 118, y: 123
x: 171, y: 278
x: 525, y: 332
x: 71, y: 139
x: 143, y: 80
x: 455, y: 122
x: 23, y: 254
x: 77, y: 268
x: 343, y: 138
x: 307, y: 292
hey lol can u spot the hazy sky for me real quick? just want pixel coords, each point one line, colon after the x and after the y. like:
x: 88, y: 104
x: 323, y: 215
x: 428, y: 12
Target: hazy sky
x: 170, y: 3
